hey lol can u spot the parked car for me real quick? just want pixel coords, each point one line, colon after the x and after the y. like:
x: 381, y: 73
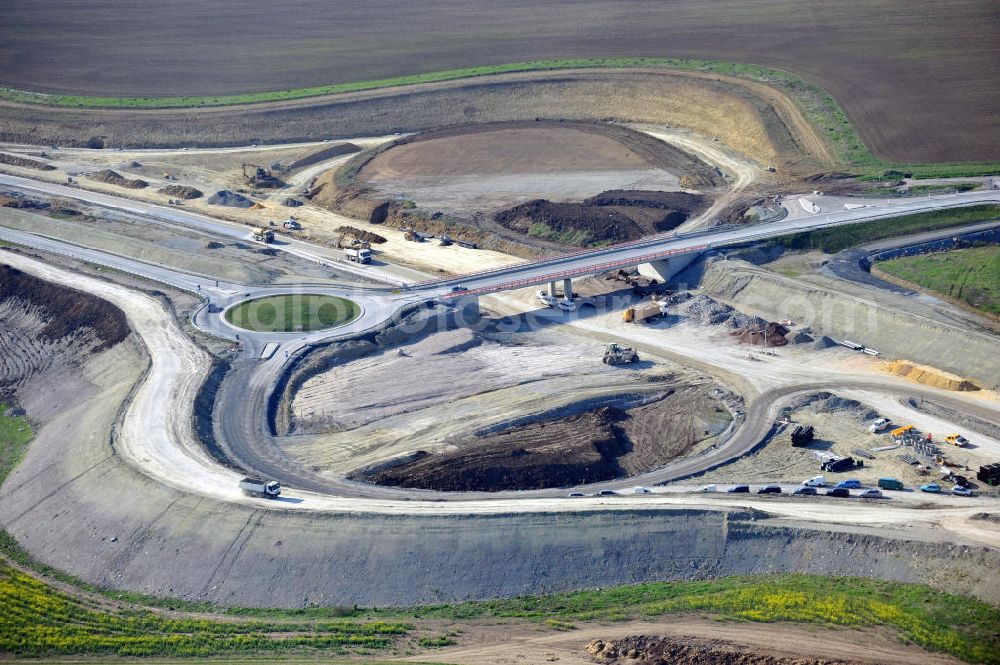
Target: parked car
x: 961, y: 490
x: 815, y: 481
x: 640, y: 490
x: 457, y: 288
x: 708, y: 488
x: 850, y: 483
x: 838, y: 492
x: 739, y: 489
x: 871, y: 494
x: 566, y: 305
x: 770, y: 489
x: 890, y: 483
x: 805, y: 491
x: 607, y: 493
x: 575, y: 494
x: 930, y: 488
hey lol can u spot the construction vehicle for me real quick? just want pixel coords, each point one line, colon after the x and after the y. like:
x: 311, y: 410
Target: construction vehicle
x: 803, y: 435
x: 445, y: 240
x: 358, y: 254
x: 262, y: 489
x: 642, y: 312
x: 413, y: 235
x: 619, y: 355
x: 291, y: 224
x: 260, y: 234
x: 956, y: 440
x: 838, y: 464
x: 900, y: 431
x: 257, y: 176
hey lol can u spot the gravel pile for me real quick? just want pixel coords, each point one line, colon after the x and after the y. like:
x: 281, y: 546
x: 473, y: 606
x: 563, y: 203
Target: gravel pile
x: 801, y: 338
x: 823, y: 342
x: 711, y: 312
x: 224, y: 197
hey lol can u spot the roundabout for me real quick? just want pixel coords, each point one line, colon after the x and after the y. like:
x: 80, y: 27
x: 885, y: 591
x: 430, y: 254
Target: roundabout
x: 292, y: 313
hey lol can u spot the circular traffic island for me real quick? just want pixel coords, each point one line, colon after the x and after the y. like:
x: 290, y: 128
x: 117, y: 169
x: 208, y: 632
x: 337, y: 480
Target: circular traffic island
x: 293, y: 312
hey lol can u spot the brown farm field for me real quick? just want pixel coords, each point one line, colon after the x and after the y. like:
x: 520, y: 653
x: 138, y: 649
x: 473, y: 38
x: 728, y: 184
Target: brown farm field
x: 918, y: 78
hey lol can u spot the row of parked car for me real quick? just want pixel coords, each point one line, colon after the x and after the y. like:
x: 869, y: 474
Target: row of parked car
x: 806, y: 490
x: 810, y: 487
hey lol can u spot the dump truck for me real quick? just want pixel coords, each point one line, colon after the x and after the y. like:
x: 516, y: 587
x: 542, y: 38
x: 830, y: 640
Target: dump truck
x: 262, y: 489
x: 615, y: 354
x: 260, y: 234
x: 358, y: 254
x: 642, y: 312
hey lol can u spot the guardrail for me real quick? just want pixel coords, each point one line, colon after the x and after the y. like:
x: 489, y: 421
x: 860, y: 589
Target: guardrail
x: 768, y: 231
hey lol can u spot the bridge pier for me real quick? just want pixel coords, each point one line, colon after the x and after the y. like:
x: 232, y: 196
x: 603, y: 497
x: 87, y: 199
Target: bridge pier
x: 568, y: 289
x: 552, y: 289
x: 665, y: 269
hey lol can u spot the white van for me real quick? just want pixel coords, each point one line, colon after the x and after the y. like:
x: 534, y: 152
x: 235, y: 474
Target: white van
x: 815, y: 481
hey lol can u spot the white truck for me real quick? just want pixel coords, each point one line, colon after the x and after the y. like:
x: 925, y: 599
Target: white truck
x: 362, y: 255
x: 262, y: 489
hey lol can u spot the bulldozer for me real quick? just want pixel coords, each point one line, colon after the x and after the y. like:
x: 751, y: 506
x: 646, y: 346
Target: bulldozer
x: 259, y: 177
x: 619, y: 355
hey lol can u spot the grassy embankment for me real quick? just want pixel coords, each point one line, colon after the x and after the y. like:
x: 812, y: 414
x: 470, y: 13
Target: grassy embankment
x: 818, y: 105
x: 841, y: 237
x: 15, y: 433
x: 293, y: 313
x: 969, y: 276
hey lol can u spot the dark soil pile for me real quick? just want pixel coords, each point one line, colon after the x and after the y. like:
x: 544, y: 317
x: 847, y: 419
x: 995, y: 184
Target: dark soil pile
x: 610, y: 217
x: 17, y: 160
x: 66, y: 311
x: 225, y: 197
x: 182, y: 192
x: 570, y: 451
x: 110, y: 177
x: 653, y: 650
x: 362, y: 235
x: 773, y: 334
x: 324, y: 154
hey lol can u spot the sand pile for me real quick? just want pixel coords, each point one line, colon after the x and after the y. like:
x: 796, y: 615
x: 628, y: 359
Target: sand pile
x: 109, y: 177
x: 931, y: 376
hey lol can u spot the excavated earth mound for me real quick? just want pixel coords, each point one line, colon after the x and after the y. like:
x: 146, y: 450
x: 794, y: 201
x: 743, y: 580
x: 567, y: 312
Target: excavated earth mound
x: 65, y: 311
x: 45, y: 333
x: 652, y: 650
x: 17, y: 160
x: 610, y: 217
x: 182, y: 192
x: 109, y: 177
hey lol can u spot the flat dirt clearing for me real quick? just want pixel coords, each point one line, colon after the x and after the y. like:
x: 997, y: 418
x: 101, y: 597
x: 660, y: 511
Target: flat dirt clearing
x: 917, y: 77
x: 471, y: 168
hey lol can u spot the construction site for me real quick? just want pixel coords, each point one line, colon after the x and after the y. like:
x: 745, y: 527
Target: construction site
x: 495, y: 390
